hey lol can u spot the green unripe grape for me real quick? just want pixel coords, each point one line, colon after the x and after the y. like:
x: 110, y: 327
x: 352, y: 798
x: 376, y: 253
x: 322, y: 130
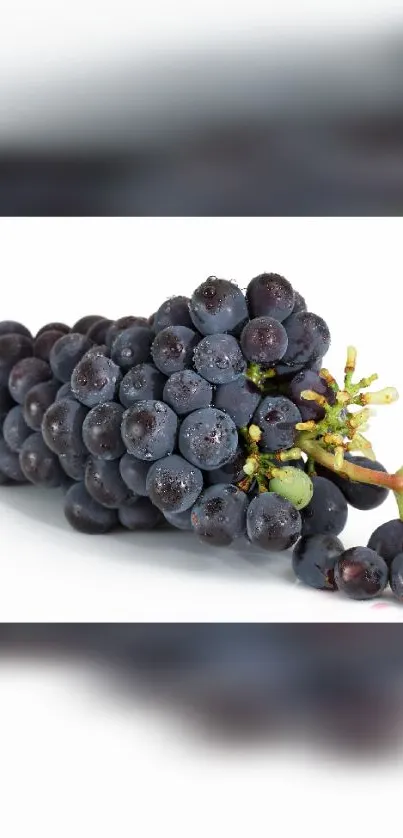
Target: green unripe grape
x: 293, y: 484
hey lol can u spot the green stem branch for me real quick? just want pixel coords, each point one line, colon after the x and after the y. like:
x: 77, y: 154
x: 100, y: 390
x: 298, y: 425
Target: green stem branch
x: 357, y: 474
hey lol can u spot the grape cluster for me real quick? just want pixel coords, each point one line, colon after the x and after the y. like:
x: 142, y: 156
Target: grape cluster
x: 144, y: 423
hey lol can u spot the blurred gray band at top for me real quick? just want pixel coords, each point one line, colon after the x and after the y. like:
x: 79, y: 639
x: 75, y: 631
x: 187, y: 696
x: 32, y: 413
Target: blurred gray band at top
x: 308, y: 130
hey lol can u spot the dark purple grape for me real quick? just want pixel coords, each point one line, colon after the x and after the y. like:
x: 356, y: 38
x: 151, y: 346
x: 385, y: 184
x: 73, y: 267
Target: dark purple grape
x: 360, y: 573
x: 396, y: 576
x: 231, y: 472
x: 12, y: 327
x: 273, y: 523
x: 74, y: 465
x: 134, y: 473
x: 387, y: 540
x: 219, y: 515
x: 186, y: 391
x: 140, y: 515
x: 314, y: 558
x: 173, y: 348
x: 149, y: 430
x: 308, y: 338
x: 142, y: 383
x: 173, y: 485
x: 326, y: 512
x: 65, y: 392
x: 174, y: 312
x: 179, y: 520
x: 66, y: 353
x: 101, y: 431
x: 15, y: 429
x: 360, y: 495
x: 37, y: 401
x: 218, y: 306
x: 309, y: 380
x: 25, y: 374
x: 239, y: 399
x: 277, y: 417
x: 99, y: 330
x: 44, y: 343
x: 104, y: 483
x: 9, y: 464
x: 85, y: 323
x: 270, y: 295
x: 86, y: 515
x: 95, y: 379
x: 6, y: 402
x: 218, y: 358
x: 53, y: 327
x: 132, y: 346
x: 62, y: 427
x: 13, y: 348
x: 122, y: 324
x: 208, y: 438
x: 264, y: 341
x: 39, y: 464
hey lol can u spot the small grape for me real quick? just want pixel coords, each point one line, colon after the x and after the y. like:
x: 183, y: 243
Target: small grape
x: 104, y: 483
x: 74, y: 465
x: 218, y: 306
x: 44, y: 343
x: 218, y: 358
x: 239, y: 399
x: 132, y: 346
x: 386, y: 540
x: 308, y: 338
x: 179, y: 520
x: 95, y: 379
x: 66, y: 353
x: 219, y: 515
x: 37, y: 401
x: 102, y: 431
x: 360, y: 573
x: 314, y: 558
x: 264, y: 340
x: 309, y: 380
x: 39, y: 464
x: 231, y: 472
x: 99, y: 330
x: 396, y: 576
x: 25, y: 374
x: 140, y: 515
x: 149, y: 430
x: 86, y: 515
x: 120, y: 325
x: 360, y: 495
x: 9, y: 464
x: 142, y: 383
x: 53, y: 327
x: 85, y: 323
x: 62, y: 427
x: 12, y: 327
x: 134, y: 473
x: 270, y: 295
x: 327, y: 512
x: 173, y: 485
x: 273, y: 523
x: 277, y: 417
x: 174, y: 312
x: 186, y: 391
x: 13, y: 348
x: 208, y: 438
x: 293, y: 484
x: 173, y: 349
x: 15, y: 429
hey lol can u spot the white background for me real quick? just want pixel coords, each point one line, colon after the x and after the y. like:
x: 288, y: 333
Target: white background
x: 78, y: 760
x: 349, y: 270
